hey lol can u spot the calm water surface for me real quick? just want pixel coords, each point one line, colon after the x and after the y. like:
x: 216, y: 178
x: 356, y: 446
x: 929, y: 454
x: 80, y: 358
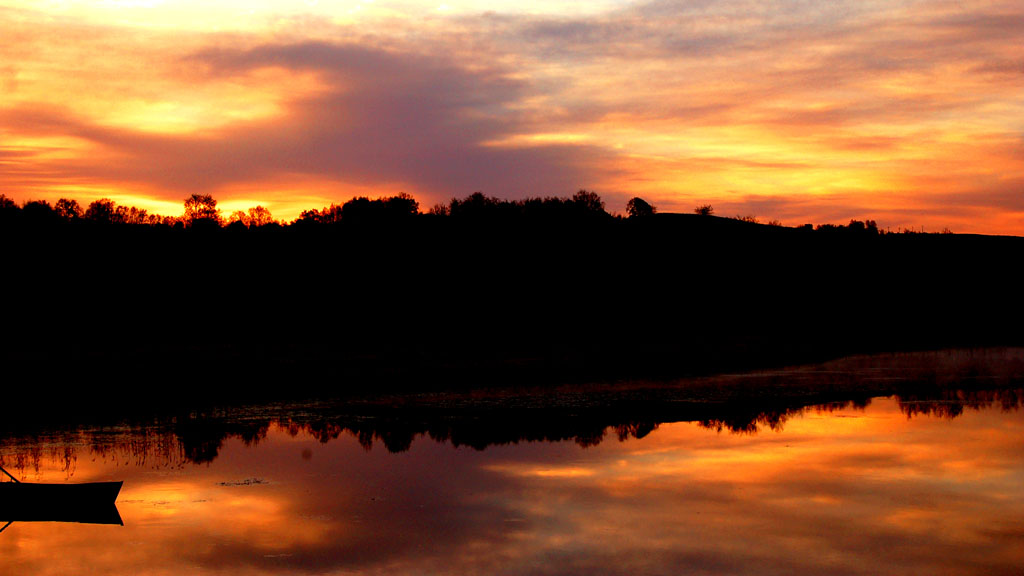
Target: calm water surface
x: 887, y: 488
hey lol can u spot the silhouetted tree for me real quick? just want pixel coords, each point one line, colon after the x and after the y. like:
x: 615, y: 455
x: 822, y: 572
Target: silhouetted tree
x: 360, y: 208
x: 401, y: 205
x: 259, y: 216
x: 68, y: 209
x: 704, y: 210
x: 363, y: 209
x: 131, y: 215
x: 201, y: 208
x: 9, y: 209
x: 588, y: 201
x: 6, y: 204
x: 331, y: 214
x: 102, y: 211
x: 307, y: 218
x: 638, y: 208
x: 235, y: 224
x: 549, y: 209
x: 239, y: 217
x: 255, y: 217
x: 474, y: 205
x: 868, y: 228
x: 39, y: 212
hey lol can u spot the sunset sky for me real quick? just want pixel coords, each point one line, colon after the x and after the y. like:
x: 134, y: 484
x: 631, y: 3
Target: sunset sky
x: 910, y: 113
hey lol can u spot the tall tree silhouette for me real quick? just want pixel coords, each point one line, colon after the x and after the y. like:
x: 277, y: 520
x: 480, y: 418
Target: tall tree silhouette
x: 201, y: 209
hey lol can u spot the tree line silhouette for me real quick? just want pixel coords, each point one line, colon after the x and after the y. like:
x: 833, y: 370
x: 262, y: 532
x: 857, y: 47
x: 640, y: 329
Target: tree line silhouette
x: 169, y: 438
x: 200, y: 210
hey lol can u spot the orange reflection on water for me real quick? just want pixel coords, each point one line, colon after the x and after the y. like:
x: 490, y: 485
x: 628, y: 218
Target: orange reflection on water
x: 843, y: 491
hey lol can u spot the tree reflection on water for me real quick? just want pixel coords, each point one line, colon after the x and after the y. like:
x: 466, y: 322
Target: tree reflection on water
x: 197, y: 438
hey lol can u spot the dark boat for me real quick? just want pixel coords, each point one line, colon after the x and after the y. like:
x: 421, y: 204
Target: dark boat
x: 88, y: 503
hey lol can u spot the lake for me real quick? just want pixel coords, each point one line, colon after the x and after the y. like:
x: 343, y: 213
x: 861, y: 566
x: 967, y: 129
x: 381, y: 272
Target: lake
x: 888, y: 484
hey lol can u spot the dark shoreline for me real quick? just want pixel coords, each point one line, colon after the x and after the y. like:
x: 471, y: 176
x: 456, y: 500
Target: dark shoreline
x: 121, y: 317
x: 942, y: 383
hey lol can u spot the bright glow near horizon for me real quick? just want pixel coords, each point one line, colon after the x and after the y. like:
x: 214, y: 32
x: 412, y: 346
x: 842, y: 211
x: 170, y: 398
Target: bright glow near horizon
x: 906, y: 113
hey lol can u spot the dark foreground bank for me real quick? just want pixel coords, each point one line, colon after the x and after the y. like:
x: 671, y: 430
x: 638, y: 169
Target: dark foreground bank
x: 156, y: 316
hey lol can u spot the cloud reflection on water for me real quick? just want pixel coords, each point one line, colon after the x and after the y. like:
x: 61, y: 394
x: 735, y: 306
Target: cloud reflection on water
x: 848, y: 491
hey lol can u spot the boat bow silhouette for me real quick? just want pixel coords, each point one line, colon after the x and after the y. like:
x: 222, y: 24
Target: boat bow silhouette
x: 86, y: 503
